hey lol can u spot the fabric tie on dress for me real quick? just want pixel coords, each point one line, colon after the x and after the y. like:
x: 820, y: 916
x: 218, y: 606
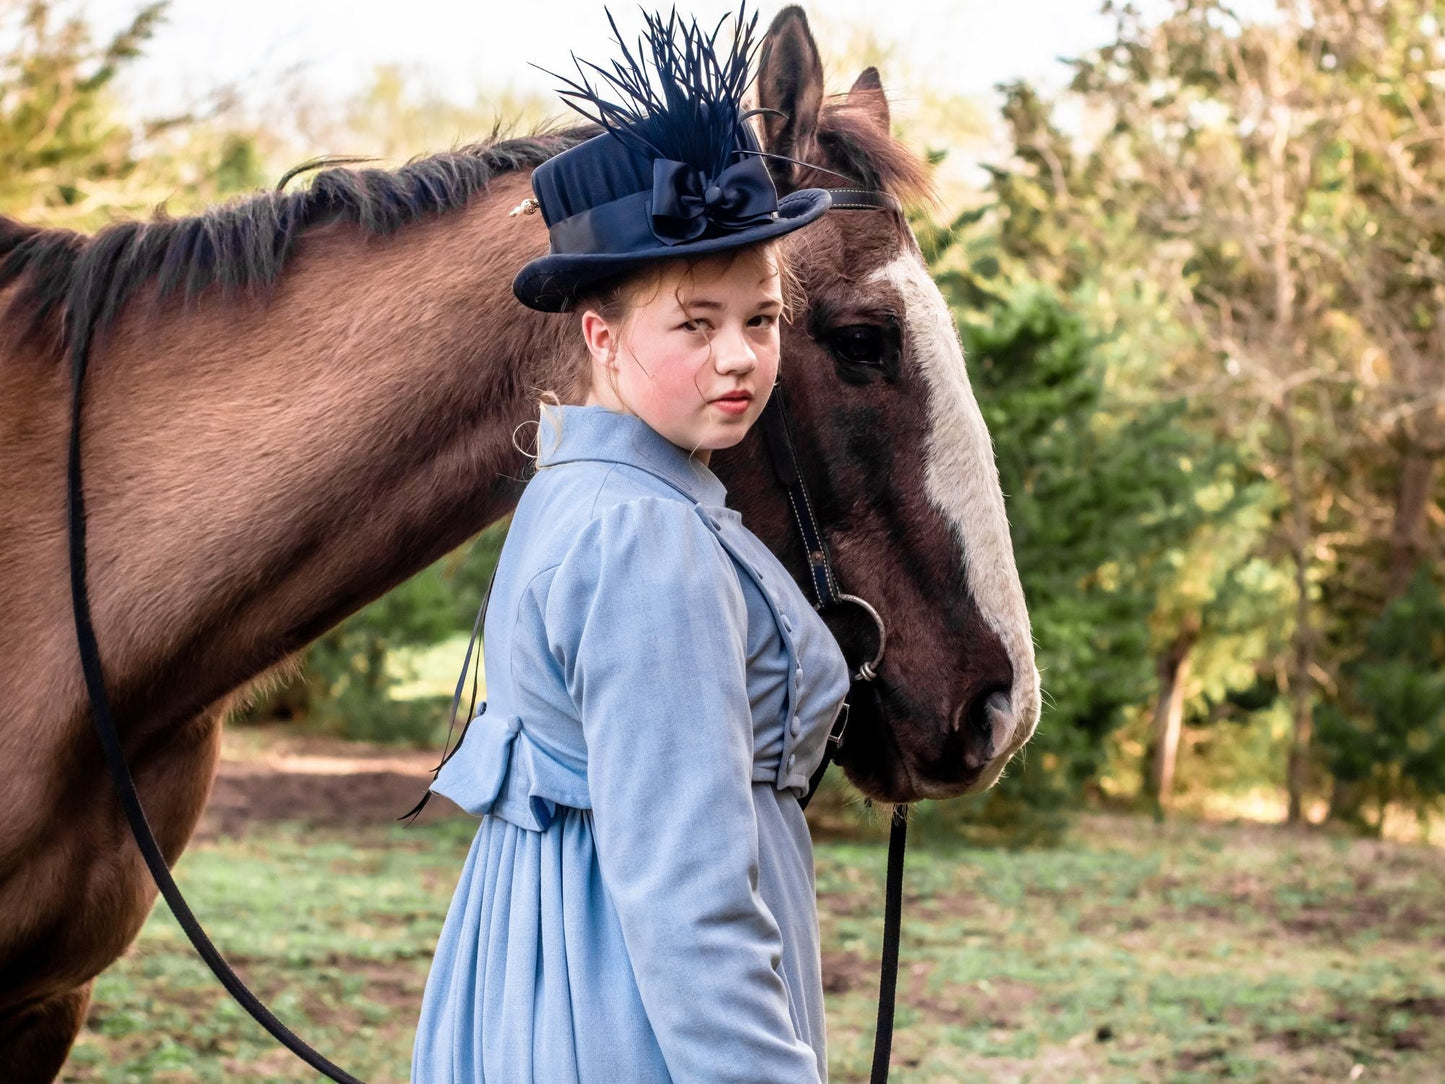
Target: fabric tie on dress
x: 499, y: 769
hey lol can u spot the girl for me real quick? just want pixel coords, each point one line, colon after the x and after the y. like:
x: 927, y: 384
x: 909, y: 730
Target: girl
x: 638, y: 904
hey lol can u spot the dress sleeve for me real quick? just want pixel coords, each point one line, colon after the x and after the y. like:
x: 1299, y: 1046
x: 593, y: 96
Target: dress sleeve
x: 646, y: 618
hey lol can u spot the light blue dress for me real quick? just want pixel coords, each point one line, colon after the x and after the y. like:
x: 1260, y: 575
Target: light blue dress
x: 638, y: 904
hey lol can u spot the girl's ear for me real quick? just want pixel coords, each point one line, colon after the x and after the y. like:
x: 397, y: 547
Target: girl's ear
x: 599, y: 336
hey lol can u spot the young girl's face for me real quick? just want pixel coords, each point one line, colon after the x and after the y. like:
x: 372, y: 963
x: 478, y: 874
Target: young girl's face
x: 697, y: 356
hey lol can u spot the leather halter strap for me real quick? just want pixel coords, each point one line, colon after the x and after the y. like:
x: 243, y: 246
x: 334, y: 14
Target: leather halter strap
x: 782, y: 453
x: 863, y: 199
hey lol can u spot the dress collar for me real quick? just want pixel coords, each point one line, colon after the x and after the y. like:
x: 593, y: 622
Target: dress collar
x: 567, y: 434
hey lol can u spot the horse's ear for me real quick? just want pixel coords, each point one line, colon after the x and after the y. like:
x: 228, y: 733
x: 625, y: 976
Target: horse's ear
x: 790, y: 80
x: 866, y: 94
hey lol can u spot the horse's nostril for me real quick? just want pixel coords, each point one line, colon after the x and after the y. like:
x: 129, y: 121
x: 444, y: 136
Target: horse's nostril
x: 988, y: 726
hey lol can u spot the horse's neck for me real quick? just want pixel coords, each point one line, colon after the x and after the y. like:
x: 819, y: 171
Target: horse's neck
x: 257, y: 468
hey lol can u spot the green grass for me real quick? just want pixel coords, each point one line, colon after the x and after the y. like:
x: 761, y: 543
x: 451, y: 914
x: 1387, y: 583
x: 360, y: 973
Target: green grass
x: 1132, y: 952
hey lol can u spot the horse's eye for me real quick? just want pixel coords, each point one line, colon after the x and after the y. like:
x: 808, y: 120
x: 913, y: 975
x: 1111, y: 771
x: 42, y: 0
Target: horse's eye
x: 867, y: 346
x: 861, y: 344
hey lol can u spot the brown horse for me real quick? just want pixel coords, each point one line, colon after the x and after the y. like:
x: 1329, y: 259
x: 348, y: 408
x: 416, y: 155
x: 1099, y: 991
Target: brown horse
x: 296, y: 402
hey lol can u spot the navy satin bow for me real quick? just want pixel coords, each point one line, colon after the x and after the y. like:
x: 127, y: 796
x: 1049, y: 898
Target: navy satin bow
x: 685, y: 203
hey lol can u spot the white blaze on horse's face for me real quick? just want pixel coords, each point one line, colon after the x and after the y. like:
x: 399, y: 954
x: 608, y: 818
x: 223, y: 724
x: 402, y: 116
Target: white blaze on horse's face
x: 961, y: 481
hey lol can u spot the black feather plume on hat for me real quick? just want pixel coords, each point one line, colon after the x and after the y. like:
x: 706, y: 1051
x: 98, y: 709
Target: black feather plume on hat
x: 690, y: 112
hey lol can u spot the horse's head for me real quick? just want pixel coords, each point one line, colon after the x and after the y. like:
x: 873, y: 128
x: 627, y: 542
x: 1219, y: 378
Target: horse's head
x: 895, y: 454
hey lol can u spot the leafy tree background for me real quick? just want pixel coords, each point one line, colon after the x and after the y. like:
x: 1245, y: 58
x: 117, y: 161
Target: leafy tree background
x: 1200, y: 289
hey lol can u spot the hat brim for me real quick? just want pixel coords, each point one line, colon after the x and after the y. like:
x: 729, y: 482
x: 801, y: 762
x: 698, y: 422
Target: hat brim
x: 551, y: 283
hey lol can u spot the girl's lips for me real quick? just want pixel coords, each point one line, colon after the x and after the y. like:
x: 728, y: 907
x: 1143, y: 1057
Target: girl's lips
x: 733, y: 404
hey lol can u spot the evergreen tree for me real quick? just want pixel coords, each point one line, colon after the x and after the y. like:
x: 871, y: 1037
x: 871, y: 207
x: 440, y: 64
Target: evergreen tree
x: 1385, y: 736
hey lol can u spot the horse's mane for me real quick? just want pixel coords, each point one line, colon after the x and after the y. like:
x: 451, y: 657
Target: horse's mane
x: 72, y: 285
x: 853, y: 144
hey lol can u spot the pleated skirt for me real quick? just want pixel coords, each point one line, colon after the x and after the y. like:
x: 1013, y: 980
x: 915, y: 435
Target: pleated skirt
x: 531, y: 980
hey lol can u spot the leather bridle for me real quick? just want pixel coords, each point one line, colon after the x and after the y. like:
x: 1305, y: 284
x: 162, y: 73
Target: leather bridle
x: 777, y: 432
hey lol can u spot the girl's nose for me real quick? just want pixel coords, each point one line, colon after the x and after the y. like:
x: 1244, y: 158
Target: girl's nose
x: 733, y: 353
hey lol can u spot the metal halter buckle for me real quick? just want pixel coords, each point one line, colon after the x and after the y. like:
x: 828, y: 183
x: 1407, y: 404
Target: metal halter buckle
x: 835, y: 738
x: 868, y: 670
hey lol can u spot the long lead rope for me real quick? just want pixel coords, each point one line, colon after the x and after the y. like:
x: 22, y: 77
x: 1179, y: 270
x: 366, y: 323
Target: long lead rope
x: 125, y: 785
x: 448, y: 749
x: 892, y: 922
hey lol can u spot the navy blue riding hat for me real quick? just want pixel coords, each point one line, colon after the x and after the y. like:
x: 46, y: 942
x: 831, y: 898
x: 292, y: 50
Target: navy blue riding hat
x: 678, y: 172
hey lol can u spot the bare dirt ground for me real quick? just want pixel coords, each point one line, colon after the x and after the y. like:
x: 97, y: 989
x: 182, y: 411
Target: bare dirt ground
x: 274, y: 774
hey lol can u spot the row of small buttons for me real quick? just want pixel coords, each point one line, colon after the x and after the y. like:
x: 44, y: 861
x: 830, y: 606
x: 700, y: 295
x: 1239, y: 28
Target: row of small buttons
x: 796, y: 726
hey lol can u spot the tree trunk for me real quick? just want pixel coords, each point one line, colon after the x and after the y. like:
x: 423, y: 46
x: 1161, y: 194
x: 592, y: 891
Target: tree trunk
x: 1347, y: 803
x: 1407, y: 533
x: 1302, y: 645
x: 1169, y: 714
